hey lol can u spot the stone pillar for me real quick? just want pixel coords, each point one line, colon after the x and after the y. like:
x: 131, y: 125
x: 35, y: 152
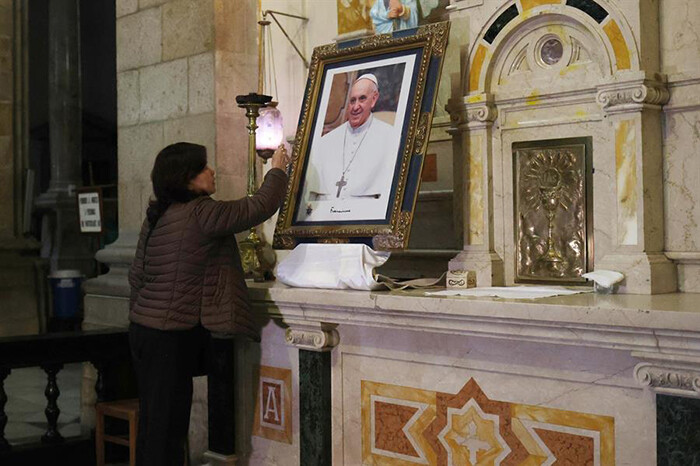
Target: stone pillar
x: 62, y: 242
x: 65, y: 105
x: 633, y: 107
x: 472, y: 124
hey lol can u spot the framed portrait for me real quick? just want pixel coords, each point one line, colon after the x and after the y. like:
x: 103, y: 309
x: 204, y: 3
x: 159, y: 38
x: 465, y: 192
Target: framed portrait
x: 361, y: 139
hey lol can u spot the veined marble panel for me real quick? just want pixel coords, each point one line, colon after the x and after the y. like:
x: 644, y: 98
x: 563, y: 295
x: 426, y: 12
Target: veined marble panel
x: 549, y: 114
x: 468, y: 405
x: 682, y: 181
x: 407, y: 425
x: 477, y: 63
x: 684, y: 93
x: 529, y: 4
x: 626, y: 173
x: 476, y: 230
x: 619, y: 45
x: 679, y: 21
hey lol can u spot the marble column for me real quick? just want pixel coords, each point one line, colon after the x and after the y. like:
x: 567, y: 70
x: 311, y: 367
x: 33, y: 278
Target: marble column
x: 315, y: 341
x: 633, y: 107
x: 472, y: 123
x: 62, y: 242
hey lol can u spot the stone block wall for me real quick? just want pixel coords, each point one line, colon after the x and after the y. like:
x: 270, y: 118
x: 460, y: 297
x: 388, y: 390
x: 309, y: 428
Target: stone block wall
x: 180, y: 64
x: 161, y: 56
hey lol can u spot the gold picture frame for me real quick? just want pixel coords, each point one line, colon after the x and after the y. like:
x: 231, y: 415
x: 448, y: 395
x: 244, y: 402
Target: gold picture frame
x: 405, y: 67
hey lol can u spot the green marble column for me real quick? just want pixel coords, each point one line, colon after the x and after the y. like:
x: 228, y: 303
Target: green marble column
x: 315, y: 407
x: 677, y: 431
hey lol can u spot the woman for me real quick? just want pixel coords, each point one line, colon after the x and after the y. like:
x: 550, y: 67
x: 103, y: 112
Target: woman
x: 186, y: 283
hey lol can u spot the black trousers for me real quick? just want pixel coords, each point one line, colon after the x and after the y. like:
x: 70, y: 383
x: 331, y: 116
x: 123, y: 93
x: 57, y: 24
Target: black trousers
x: 165, y: 362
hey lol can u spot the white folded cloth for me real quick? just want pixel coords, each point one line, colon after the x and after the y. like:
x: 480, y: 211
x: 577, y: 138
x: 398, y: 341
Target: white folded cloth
x: 604, y: 278
x: 334, y: 266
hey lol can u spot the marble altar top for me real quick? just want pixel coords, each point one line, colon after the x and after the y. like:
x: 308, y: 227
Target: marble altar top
x: 658, y: 323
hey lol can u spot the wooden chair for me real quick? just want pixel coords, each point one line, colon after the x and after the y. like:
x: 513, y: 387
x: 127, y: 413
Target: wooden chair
x: 121, y: 409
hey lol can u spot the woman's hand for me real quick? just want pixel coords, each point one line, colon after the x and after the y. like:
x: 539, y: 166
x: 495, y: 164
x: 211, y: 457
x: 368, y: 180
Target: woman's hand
x: 280, y: 159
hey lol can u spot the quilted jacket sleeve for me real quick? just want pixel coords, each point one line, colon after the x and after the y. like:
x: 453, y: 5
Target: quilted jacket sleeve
x: 220, y: 218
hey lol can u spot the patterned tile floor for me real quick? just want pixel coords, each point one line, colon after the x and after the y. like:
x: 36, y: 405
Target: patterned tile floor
x: 26, y: 421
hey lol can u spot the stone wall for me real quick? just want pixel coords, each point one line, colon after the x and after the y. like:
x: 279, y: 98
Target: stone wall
x: 180, y: 65
x: 160, y: 57
x: 18, y: 275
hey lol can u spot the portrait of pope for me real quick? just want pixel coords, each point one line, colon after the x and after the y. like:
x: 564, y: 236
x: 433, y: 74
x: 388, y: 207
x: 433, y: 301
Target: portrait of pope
x: 353, y: 158
x: 357, y: 151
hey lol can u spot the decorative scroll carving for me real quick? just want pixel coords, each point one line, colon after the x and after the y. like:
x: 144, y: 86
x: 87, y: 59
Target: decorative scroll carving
x: 481, y: 113
x: 671, y: 380
x: 632, y: 96
x: 316, y: 339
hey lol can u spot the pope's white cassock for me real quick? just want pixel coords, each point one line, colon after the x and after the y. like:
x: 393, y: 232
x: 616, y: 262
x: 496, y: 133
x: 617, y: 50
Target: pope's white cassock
x: 353, y: 163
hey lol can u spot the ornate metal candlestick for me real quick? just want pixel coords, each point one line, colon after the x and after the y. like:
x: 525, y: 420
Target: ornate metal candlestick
x: 253, y: 259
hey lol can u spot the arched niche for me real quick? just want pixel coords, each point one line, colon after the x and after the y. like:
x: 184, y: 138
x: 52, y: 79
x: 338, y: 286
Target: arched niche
x: 604, y: 41
x: 548, y: 70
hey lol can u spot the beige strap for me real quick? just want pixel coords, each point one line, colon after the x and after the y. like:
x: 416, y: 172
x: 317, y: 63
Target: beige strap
x: 416, y: 283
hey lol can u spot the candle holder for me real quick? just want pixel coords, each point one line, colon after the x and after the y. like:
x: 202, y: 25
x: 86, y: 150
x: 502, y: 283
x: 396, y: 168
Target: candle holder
x: 270, y: 132
x: 256, y: 264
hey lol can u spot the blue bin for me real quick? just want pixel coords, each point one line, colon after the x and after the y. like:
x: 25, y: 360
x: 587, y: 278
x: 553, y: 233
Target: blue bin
x: 67, y: 293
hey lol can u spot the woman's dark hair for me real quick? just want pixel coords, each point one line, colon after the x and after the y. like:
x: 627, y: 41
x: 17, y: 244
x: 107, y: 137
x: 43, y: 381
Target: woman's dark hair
x: 174, y: 168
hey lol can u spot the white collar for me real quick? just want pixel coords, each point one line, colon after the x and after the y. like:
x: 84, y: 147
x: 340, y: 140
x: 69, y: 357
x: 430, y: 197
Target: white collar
x: 361, y: 128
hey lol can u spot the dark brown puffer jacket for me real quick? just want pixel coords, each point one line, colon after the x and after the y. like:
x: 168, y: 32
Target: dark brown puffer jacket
x: 191, y: 271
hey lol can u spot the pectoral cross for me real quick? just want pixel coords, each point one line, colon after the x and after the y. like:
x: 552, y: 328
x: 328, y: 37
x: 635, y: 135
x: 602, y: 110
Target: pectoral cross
x: 341, y: 184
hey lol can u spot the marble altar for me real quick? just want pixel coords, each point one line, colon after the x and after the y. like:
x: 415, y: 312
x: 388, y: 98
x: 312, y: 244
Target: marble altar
x: 429, y: 380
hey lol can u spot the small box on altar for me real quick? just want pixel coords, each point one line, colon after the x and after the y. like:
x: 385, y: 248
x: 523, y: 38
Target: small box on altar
x: 461, y: 279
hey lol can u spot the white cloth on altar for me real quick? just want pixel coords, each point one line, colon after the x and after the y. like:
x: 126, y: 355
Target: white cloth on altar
x: 604, y: 278
x: 334, y: 266
x: 365, y: 159
x: 512, y: 292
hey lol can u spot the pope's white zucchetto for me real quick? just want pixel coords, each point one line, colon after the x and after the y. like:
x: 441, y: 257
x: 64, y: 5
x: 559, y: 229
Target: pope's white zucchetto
x: 371, y: 77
